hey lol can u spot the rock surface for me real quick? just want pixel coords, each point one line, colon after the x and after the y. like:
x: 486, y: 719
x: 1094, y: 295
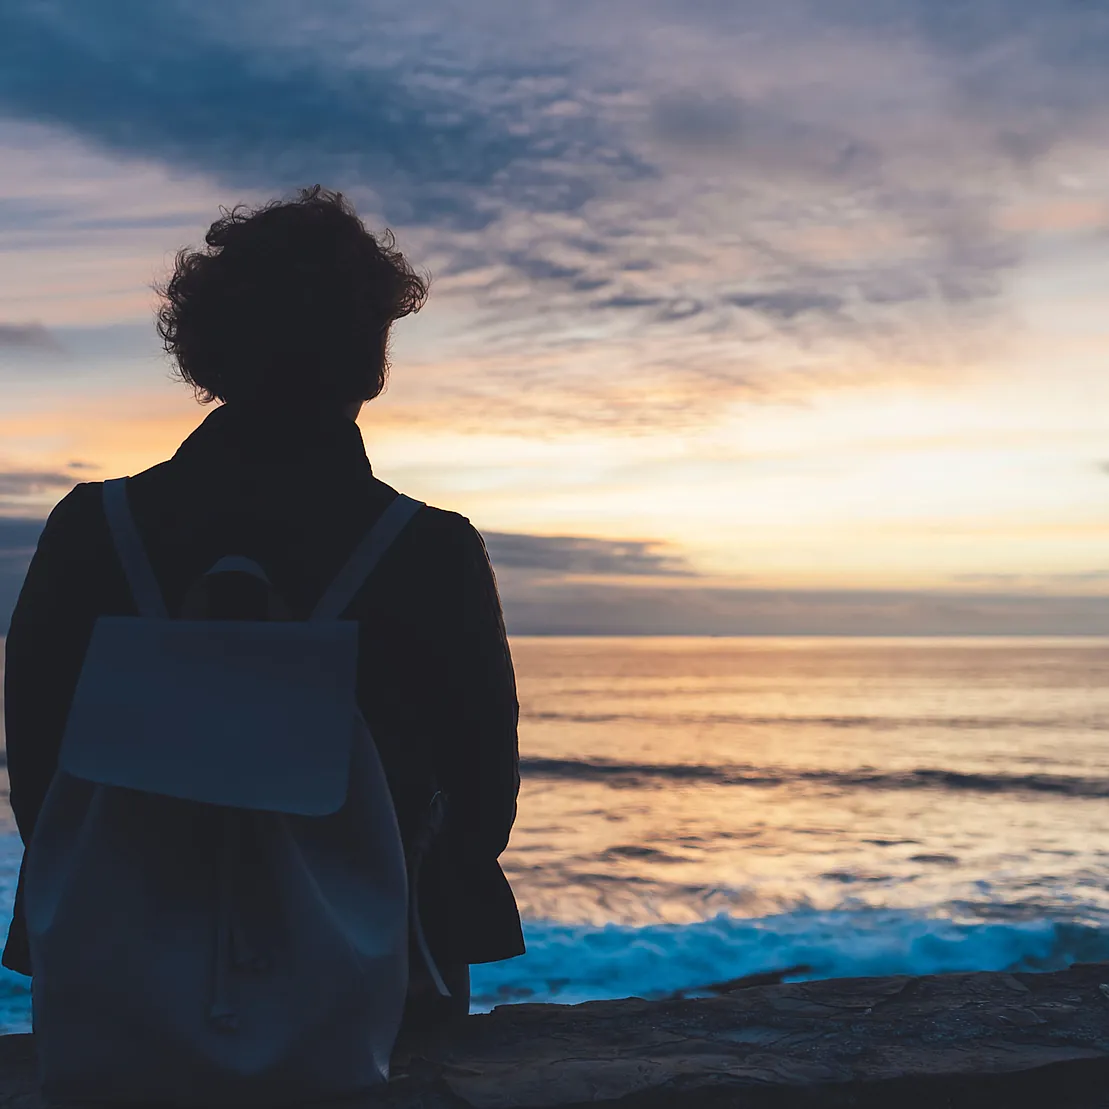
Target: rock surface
x: 949, y: 1040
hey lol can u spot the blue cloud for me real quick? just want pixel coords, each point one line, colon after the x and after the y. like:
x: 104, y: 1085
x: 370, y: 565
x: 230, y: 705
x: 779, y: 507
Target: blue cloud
x: 152, y: 80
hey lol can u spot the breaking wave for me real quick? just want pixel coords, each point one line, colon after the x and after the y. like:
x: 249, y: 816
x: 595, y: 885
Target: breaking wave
x: 648, y: 775
x: 569, y: 963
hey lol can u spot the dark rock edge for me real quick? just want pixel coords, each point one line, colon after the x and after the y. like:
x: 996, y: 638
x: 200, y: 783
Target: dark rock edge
x: 941, y: 1042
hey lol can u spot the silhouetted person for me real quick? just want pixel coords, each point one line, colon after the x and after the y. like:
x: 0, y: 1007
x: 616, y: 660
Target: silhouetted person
x: 284, y: 317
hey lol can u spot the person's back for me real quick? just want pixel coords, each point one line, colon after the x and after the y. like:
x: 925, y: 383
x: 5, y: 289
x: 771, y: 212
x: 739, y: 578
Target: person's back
x: 285, y: 319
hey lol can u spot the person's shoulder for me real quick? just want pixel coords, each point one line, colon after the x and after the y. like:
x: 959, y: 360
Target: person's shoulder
x: 441, y: 533
x: 429, y: 521
x: 78, y: 508
x: 440, y: 521
x: 153, y: 478
x: 84, y: 502
x: 72, y: 530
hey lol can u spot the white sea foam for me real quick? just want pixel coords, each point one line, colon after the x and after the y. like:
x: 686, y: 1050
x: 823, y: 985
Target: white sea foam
x: 569, y: 964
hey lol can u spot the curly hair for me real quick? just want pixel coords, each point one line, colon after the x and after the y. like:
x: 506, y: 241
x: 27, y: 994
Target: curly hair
x: 287, y: 304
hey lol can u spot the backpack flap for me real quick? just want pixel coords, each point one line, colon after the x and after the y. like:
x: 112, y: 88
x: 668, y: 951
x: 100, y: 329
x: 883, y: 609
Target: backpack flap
x: 247, y: 714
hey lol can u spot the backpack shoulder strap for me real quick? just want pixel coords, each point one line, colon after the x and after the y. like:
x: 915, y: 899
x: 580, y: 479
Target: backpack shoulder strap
x: 366, y: 556
x: 132, y: 554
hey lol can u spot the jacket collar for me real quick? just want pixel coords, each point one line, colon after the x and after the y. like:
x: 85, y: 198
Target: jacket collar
x: 300, y: 438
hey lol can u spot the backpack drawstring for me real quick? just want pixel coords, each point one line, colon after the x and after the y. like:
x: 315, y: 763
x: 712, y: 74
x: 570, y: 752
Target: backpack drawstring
x: 436, y: 814
x: 222, y: 1012
x: 233, y: 947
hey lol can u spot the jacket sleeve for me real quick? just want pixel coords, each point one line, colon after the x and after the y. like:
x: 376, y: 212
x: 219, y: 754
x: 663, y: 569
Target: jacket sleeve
x: 481, y: 761
x: 46, y: 644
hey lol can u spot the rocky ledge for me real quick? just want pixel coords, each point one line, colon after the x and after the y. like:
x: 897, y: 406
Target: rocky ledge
x: 949, y: 1040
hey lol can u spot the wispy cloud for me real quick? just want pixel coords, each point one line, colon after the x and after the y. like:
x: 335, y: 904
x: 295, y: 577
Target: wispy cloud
x: 22, y: 490
x: 576, y: 555
x: 25, y: 483
x: 27, y: 337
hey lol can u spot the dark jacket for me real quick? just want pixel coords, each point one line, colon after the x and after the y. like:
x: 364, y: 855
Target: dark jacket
x: 435, y: 678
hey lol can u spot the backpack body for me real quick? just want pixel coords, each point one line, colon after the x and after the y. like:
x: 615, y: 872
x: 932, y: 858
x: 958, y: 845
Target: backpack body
x: 217, y: 895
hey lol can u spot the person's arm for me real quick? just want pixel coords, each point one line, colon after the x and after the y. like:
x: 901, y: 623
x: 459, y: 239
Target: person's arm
x: 46, y: 645
x: 482, y: 757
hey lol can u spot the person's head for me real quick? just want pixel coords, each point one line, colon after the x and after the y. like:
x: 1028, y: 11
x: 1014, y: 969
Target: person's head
x: 288, y: 306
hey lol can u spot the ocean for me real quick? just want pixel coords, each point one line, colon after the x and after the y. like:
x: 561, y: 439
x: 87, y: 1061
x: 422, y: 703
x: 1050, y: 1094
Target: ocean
x: 696, y: 810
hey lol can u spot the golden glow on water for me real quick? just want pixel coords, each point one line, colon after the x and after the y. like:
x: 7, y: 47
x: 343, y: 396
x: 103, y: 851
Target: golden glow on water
x: 674, y: 779
x: 896, y: 773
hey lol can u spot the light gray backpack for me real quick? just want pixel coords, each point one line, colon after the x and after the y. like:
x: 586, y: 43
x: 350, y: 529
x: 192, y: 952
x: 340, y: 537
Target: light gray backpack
x: 217, y: 896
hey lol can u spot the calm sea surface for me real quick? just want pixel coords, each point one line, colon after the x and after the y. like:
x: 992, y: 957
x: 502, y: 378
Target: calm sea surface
x: 695, y: 810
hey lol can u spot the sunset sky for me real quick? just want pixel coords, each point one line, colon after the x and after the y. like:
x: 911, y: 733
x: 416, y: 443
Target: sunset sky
x: 745, y: 316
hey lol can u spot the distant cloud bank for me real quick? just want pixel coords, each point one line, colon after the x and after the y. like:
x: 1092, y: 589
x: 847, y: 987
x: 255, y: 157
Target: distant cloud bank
x: 544, y: 594
x: 575, y: 609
